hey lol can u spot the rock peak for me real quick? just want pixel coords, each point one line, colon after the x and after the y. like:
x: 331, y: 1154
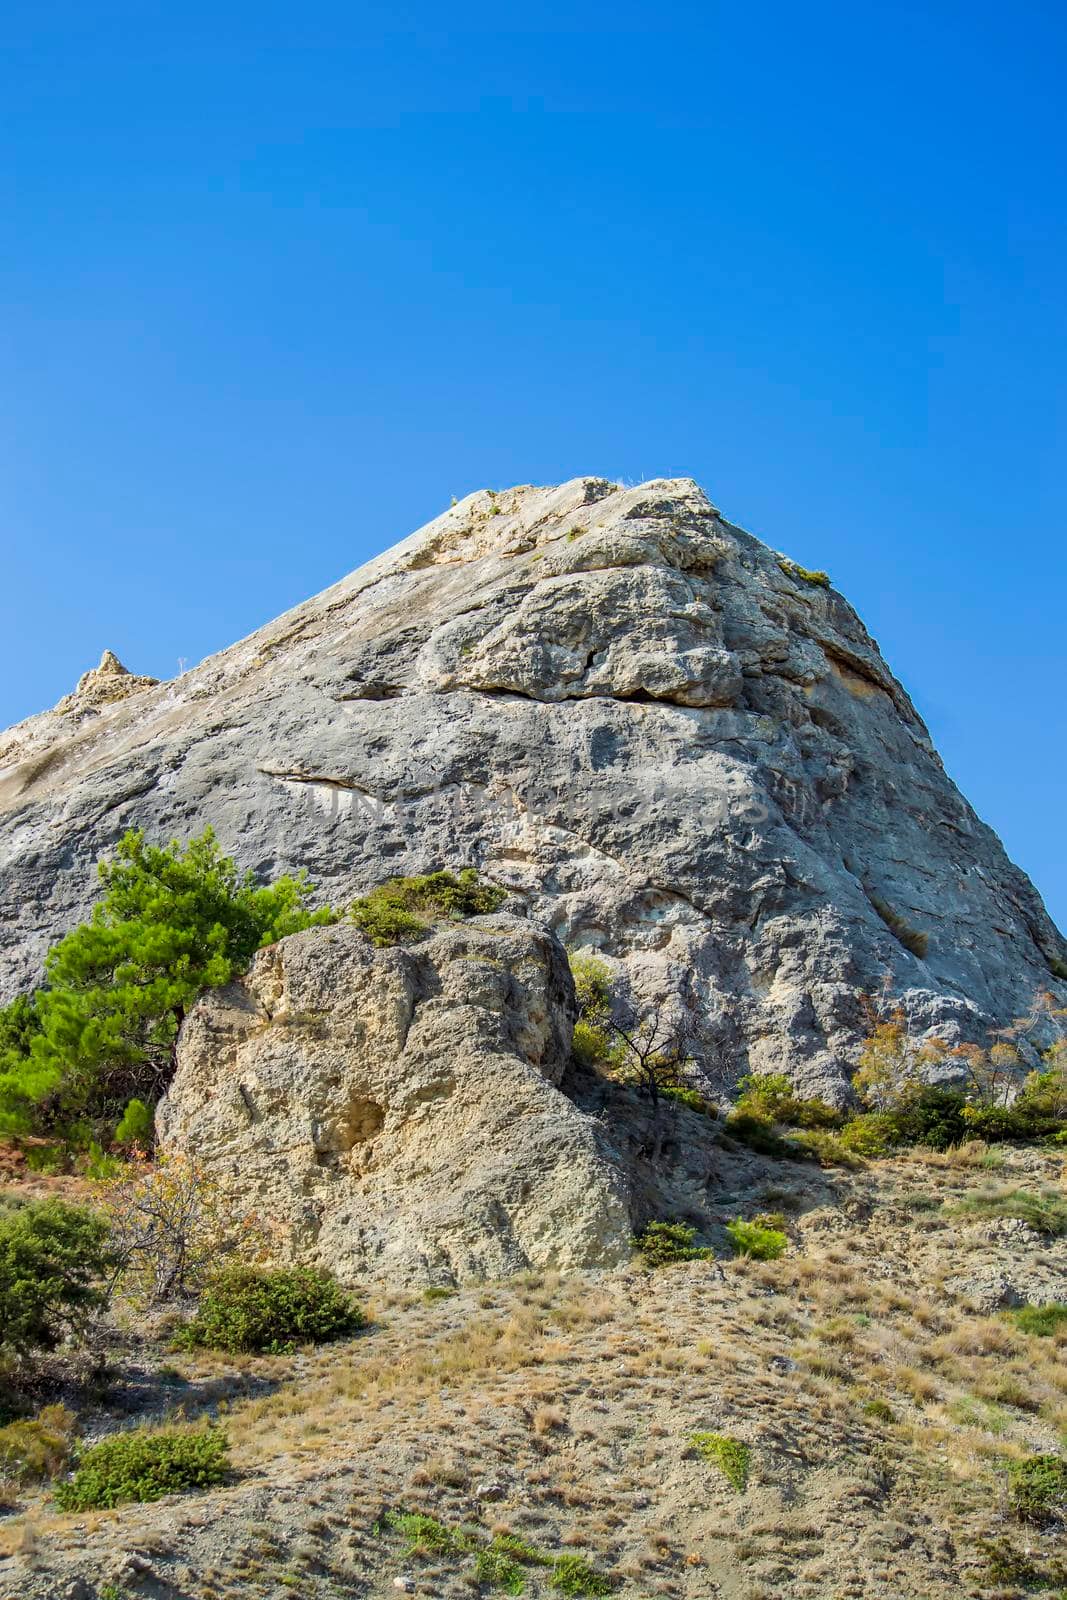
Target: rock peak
x: 668, y: 740
x: 109, y: 662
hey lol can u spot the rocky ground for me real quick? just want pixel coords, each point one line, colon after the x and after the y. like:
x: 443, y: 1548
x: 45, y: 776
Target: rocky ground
x: 561, y: 1410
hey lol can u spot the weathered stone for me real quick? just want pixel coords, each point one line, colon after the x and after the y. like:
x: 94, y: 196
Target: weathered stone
x: 614, y: 702
x: 394, y: 1113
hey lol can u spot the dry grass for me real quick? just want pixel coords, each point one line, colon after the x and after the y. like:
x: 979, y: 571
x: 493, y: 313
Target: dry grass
x: 572, y: 1400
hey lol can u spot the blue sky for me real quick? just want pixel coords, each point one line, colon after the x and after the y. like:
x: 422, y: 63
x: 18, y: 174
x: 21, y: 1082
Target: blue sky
x: 278, y: 281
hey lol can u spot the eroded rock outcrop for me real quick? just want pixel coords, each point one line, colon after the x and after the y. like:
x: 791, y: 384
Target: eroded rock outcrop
x: 394, y: 1113
x: 103, y: 685
x: 664, y: 739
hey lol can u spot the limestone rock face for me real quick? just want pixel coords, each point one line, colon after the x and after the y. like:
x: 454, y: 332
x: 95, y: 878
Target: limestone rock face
x: 394, y: 1114
x: 650, y: 726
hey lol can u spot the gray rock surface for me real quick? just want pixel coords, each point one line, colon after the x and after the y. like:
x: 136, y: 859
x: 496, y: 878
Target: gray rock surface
x: 394, y: 1114
x: 664, y: 740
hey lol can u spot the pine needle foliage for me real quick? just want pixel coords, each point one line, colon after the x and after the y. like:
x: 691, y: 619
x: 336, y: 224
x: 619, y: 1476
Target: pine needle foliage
x: 172, y: 921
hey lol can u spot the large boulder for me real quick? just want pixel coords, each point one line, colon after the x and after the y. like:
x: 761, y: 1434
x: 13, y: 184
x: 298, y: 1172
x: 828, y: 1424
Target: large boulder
x: 393, y: 1113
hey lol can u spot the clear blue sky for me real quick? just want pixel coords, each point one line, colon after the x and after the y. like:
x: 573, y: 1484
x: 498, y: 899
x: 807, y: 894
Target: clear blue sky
x: 278, y: 280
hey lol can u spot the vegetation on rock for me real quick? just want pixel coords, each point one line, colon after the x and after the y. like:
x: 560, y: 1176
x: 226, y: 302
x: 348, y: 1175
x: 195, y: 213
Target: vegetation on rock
x: 792, y: 569
x: 404, y: 909
x: 632, y: 1043
x: 173, y: 921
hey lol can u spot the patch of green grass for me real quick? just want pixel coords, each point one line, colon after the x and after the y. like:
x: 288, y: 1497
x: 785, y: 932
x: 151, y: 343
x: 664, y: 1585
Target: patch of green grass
x: 879, y: 1411
x: 972, y: 1413
x: 913, y: 939
x: 496, y: 1569
x: 1042, y: 1321
x: 731, y: 1456
x: 426, y: 1533
x: 500, y: 1563
x: 405, y: 908
x: 438, y: 1291
x: 574, y: 1575
x: 1045, y: 1210
x: 792, y: 569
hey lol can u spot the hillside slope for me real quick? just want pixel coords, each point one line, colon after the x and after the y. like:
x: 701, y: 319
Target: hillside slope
x: 880, y: 1393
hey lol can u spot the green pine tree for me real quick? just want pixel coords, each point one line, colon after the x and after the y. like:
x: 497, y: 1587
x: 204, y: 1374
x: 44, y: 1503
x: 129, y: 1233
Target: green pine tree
x: 172, y: 922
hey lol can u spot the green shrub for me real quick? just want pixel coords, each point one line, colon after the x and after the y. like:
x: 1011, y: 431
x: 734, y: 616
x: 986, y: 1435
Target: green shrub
x: 689, y: 1097
x: 53, y: 1257
x: 594, y: 1042
x: 933, y: 1117
x: 1006, y: 1564
x: 33, y: 1451
x: 263, y: 1310
x: 828, y: 1149
x: 760, y: 1135
x: 574, y: 1575
x: 731, y: 1456
x: 591, y: 1044
x: 1037, y: 1489
x: 765, y: 1103
x: 405, y: 908
x: 871, y: 1134
x: 1045, y: 1211
x: 879, y: 1411
x: 145, y: 1464
x: 663, y: 1243
x: 439, y: 1291
x: 770, y: 1096
x: 1043, y: 1321
x: 756, y: 1240
x: 917, y: 1201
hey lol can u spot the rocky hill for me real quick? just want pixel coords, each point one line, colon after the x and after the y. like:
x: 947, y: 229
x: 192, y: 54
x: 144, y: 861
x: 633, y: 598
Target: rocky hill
x: 657, y: 739
x: 667, y: 740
